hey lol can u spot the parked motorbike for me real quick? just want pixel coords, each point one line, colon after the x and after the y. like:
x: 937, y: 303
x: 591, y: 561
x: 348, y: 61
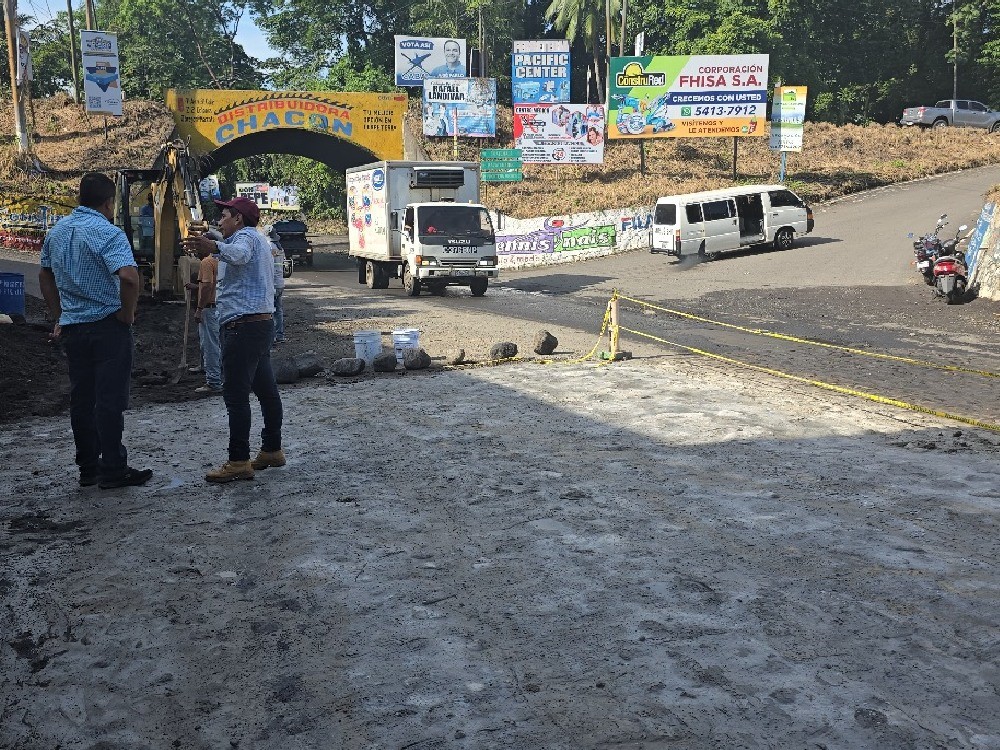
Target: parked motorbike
x: 927, y: 249
x: 951, y: 274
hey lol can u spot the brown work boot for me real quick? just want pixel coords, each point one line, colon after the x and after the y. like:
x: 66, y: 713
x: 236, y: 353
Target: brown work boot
x: 230, y: 471
x: 268, y: 458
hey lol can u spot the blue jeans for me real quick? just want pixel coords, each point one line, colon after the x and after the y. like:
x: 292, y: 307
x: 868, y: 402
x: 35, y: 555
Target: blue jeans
x: 279, y: 316
x: 246, y: 367
x: 211, y: 349
x: 100, y: 366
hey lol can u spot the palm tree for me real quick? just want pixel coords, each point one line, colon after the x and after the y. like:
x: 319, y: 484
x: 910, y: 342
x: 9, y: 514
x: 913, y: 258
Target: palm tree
x: 580, y: 18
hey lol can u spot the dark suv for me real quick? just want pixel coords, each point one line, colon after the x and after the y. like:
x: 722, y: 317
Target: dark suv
x: 292, y: 237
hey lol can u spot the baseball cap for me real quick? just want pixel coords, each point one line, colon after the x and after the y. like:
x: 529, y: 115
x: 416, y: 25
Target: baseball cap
x: 245, y: 206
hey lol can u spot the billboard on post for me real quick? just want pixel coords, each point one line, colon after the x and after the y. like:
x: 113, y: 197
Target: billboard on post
x: 560, y: 133
x: 687, y: 96
x: 460, y: 106
x: 419, y: 57
x: 540, y: 71
x: 102, y: 87
x: 788, y: 116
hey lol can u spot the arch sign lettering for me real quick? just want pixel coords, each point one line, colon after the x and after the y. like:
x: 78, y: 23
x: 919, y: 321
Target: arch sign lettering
x: 212, y: 118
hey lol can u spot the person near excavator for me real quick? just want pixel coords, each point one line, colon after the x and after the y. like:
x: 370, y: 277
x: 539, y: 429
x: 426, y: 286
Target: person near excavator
x: 91, y: 284
x: 245, y: 303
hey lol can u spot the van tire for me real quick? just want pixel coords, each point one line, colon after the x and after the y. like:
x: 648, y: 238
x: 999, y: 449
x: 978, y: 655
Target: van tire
x: 784, y: 238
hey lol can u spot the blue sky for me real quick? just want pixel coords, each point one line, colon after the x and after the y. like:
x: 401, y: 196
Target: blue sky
x: 253, y: 40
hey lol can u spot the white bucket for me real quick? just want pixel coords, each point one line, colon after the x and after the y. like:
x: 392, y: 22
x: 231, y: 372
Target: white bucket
x: 367, y: 345
x: 405, y: 338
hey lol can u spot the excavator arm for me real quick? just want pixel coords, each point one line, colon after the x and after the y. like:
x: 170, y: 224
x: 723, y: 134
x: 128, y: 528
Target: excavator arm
x: 176, y: 209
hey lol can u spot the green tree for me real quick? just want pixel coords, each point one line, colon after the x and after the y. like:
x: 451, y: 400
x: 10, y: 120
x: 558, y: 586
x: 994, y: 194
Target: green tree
x: 585, y: 20
x: 178, y: 44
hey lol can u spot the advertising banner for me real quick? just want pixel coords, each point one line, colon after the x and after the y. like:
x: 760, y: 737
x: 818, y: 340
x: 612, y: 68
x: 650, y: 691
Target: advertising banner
x: 102, y: 89
x: 972, y: 250
x: 788, y: 114
x: 420, y: 57
x: 460, y: 106
x: 210, y: 118
x: 273, y: 197
x: 25, y: 218
x: 687, y: 96
x: 25, y: 72
x: 560, y: 133
x: 540, y: 74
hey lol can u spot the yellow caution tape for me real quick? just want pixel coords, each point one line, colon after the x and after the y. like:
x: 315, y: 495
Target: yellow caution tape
x: 797, y: 340
x: 826, y: 386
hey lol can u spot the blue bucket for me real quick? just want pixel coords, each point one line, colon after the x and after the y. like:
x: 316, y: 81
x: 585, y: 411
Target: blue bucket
x: 12, y: 293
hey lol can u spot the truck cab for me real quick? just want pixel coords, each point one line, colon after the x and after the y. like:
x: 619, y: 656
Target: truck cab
x: 449, y: 243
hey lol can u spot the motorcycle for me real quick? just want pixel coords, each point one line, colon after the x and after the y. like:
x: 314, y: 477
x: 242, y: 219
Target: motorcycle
x: 951, y: 274
x: 927, y: 249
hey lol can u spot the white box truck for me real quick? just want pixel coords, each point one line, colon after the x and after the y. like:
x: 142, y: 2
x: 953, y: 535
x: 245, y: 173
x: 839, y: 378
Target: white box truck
x: 420, y: 222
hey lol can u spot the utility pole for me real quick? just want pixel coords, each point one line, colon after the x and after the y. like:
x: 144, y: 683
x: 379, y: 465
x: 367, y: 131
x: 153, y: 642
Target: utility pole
x: 72, y: 52
x: 10, y: 18
x: 621, y: 44
x: 90, y: 14
x: 954, y: 47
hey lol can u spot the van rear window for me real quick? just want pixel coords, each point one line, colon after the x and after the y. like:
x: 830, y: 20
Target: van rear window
x: 666, y: 213
x: 694, y: 213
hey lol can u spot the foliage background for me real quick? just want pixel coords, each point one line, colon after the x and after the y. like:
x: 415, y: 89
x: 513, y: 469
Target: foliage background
x: 863, y: 60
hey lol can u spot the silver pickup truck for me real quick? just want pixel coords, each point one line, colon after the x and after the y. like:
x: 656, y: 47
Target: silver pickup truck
x: 961, y: 113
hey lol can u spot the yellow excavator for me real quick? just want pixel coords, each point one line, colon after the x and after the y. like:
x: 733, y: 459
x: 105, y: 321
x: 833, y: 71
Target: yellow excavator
x: 176, y: 214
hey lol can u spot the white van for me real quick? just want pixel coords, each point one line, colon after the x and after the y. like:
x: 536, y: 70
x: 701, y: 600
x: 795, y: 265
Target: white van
x: 719, y: 220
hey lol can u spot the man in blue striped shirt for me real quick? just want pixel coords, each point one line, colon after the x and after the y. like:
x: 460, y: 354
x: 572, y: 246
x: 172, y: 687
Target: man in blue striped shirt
x: 245, y: 303
x: 91, y: 285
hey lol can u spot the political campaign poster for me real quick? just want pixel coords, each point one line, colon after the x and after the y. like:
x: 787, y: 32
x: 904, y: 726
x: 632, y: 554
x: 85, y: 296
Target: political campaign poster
x: 102, y: 88
x: 418, y: 58
x: 687, y: 96
x: 540, y: 72
x: 788, y: 116
x: 560, y: 133
x: 460, y: 106
x: 209, y: 189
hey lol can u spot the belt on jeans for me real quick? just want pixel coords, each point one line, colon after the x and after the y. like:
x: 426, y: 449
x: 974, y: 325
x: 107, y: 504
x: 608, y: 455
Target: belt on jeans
x: 255, y: 318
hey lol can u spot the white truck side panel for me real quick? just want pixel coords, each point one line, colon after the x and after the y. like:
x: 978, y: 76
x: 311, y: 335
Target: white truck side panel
x: 368, y: 227
x: 375, y: 191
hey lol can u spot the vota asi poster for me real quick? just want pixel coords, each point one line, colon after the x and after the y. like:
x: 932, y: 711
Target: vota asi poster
x: 687, y: 96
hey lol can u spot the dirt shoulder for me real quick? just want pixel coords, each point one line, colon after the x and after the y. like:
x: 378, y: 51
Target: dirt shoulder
x: 522, y: 556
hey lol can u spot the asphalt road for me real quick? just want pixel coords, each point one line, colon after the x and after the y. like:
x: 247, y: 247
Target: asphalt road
x: 850, y: 284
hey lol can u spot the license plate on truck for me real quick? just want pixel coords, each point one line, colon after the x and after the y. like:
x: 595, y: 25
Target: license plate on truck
x: 462, y: 272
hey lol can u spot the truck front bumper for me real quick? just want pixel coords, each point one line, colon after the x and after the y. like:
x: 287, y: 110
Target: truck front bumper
x: 456, y: 275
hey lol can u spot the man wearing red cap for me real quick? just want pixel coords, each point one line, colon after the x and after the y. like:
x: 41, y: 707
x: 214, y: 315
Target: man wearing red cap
x: 245, y: 303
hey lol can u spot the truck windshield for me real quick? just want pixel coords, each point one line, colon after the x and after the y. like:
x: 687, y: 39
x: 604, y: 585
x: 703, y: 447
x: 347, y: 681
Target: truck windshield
x: 454, y: 221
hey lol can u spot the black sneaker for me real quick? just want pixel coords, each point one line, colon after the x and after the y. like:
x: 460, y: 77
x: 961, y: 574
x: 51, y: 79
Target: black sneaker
x: 131, y: 478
